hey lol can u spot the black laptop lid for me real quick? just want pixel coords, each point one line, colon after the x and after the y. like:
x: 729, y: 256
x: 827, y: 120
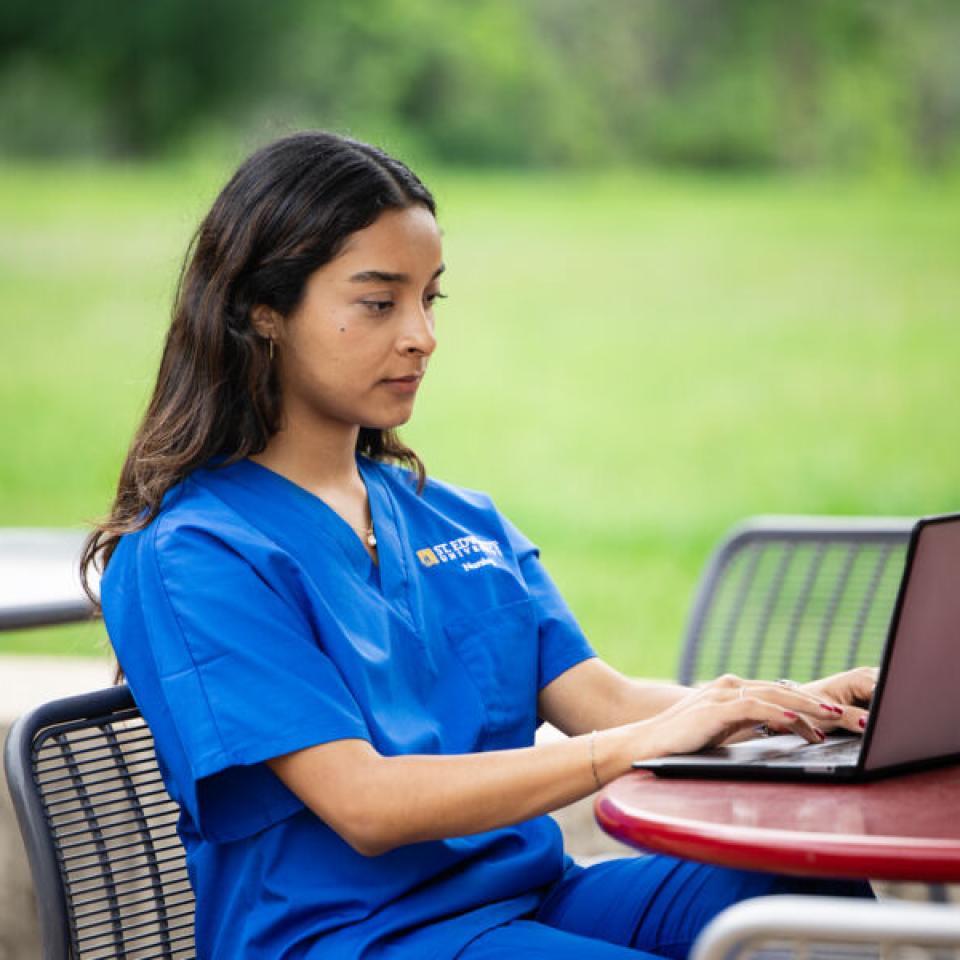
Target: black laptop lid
x: 920, y: 715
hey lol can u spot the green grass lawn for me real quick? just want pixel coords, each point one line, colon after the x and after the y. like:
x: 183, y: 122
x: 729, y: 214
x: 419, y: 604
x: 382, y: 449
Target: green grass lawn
x: 629, y: 363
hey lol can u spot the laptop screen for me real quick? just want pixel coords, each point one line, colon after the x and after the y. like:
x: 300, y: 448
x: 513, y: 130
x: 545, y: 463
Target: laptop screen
x: 921, y: 691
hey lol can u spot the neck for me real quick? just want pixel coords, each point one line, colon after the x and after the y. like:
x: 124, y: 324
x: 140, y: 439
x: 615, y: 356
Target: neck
x: 317, y: 460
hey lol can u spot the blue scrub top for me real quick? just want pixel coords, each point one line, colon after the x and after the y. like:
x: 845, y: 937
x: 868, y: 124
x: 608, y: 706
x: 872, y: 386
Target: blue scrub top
x: 251, y: 622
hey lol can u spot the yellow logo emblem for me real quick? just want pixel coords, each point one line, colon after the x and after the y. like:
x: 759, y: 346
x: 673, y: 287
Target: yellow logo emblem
x: 427, y: 557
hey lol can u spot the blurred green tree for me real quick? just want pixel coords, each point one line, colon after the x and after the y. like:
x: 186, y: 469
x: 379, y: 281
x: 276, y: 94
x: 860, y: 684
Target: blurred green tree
x: 855, y: 84
x: 139, y: 73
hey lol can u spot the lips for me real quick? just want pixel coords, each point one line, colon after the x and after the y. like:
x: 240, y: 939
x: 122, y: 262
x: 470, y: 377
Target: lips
x: 406, y: 386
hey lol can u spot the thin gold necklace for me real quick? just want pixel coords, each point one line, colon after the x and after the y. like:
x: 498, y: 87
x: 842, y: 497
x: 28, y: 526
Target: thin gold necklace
x: 366, y: 533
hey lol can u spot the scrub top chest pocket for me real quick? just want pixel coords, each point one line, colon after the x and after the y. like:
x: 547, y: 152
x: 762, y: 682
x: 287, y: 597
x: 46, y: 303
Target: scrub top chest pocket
x: 498, y: 648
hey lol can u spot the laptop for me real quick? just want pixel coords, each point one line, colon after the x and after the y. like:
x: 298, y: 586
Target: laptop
x: 915, y: 714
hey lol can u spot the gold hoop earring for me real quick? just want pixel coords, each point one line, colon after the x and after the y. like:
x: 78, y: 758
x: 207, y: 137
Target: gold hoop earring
x: 271, y: 349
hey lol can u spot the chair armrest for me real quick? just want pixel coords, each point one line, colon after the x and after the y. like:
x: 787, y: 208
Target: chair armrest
x: 826, y: 920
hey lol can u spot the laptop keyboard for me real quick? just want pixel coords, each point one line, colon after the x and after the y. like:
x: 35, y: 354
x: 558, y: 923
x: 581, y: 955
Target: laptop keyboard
x: 833, y: 752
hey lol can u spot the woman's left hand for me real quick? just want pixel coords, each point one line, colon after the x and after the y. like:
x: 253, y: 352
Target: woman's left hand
x: 852, y: 690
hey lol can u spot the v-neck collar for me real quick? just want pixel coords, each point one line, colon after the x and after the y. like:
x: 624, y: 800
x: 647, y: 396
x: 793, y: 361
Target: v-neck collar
x: 312, y: 509
x: 319, y: 517
x: 394, y: 574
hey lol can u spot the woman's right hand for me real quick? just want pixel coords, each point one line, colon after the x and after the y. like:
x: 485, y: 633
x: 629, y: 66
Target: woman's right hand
x: 725, y: 710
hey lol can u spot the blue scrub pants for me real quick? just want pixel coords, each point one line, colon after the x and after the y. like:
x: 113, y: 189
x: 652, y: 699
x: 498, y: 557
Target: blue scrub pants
x: 643, y: 906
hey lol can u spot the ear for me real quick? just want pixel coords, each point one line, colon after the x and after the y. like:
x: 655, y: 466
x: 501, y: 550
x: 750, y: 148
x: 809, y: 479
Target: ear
x: 266, y: 321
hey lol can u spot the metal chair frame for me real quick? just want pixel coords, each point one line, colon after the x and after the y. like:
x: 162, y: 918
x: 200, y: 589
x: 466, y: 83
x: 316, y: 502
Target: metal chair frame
x: 812, y: 927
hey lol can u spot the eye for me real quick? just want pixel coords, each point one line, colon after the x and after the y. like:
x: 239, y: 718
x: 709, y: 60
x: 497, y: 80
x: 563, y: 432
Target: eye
x: 377, y: 306
x: 432, y: 298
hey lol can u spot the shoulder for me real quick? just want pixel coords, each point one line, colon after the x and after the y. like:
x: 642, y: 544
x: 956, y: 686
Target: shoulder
x: 193, y: 525
x: 198, y: 564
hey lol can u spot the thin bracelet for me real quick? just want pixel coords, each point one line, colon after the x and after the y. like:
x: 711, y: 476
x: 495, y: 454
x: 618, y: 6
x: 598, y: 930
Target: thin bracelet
x: 593, y: 759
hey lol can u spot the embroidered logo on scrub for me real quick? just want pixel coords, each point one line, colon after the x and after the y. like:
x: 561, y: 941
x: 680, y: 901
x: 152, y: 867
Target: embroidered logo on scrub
x: 486, y: 552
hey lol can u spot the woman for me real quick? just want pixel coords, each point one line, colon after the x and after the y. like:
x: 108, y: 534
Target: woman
x: 342, y: 662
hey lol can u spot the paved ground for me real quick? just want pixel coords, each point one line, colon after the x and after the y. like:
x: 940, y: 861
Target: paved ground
x: 28, y: 681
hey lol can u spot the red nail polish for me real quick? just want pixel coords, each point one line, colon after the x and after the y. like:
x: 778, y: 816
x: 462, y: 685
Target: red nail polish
x: 838, y: 710
x: 790, y: 715
x: 819, y: 733
x: 828, y: 707
x: 863, y: 723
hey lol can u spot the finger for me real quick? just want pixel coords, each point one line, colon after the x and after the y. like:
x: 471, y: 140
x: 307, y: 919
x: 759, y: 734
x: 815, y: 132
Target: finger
x: 859, y: 683
x: 818, y: 705
x: 854, y: 719
x: 797, y: 723
x: 863, y: 686
x: 823, y: 710
x: 859, y: 698
x: 755, y: 711
x: 855, y: 700
x: 846, y: 714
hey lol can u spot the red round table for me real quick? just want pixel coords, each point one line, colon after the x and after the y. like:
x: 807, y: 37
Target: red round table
x: 901, y: 828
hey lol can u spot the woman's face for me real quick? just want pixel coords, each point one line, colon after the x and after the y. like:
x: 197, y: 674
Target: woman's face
x: 354, y: 351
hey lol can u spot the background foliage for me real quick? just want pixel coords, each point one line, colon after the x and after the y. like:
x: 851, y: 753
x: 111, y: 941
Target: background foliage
x: 852, y: 84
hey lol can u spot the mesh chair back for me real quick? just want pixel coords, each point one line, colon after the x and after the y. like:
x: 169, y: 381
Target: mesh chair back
x: 100, y: 831
x: 796, y: 597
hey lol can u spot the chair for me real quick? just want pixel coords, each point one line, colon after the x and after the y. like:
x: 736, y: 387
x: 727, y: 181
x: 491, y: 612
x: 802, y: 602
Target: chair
x: 797, y: 597
x: 810, y: 928
x: 108, y: 867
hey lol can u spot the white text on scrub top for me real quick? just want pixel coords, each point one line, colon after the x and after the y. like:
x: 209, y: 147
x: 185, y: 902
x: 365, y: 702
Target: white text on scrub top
x: 468, y: 546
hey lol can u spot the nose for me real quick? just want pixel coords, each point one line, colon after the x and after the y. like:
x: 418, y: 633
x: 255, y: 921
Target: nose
x: 417, y: 337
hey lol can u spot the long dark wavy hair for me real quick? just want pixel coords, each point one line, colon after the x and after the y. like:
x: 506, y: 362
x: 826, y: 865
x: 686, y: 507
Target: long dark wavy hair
x: 287, y: 211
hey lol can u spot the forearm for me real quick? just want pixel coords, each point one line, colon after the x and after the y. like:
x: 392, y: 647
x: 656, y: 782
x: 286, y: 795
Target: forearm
x: 642, y: 699
x: 434, y: 797
x: 387, y: 802
x: 594, y: 696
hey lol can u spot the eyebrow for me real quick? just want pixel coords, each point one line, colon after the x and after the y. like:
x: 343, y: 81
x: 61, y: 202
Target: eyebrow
x: 384, y: 276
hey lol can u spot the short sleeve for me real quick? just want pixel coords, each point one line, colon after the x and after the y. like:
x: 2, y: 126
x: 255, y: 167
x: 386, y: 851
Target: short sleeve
x: 229, y: 673
x: 563, y: 643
